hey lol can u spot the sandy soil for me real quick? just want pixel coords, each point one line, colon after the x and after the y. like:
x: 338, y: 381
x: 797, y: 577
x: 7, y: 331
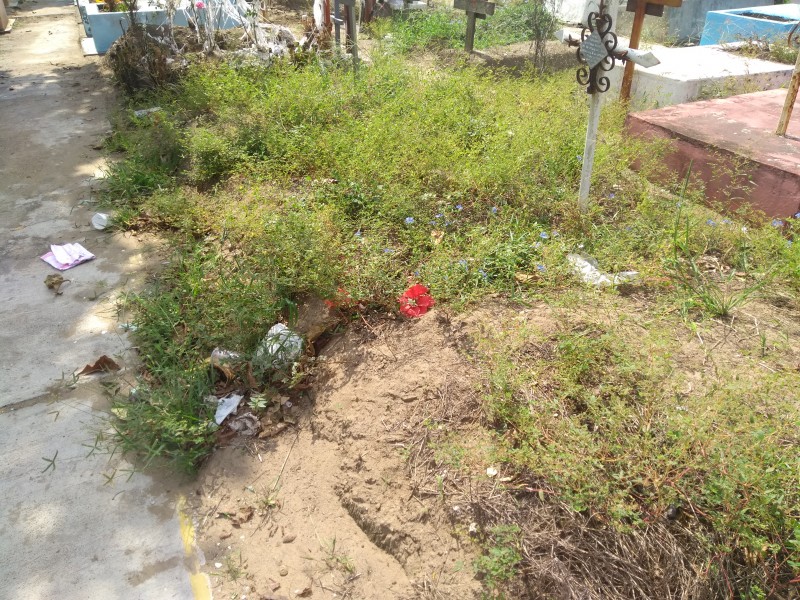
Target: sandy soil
x: 330, y: 505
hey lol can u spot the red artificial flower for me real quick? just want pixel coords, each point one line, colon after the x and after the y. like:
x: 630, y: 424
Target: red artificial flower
x: 416, y: 301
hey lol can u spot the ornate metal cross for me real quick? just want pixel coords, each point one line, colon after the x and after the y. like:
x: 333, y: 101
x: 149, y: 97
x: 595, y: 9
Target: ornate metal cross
x: 598, y: 53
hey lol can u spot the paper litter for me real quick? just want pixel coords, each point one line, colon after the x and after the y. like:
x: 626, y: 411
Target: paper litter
x: 586, y: 269
x: 226, y: 406
x: 66, y: 256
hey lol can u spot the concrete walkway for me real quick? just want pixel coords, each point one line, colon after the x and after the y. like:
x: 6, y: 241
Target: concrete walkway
x: 75, y: 521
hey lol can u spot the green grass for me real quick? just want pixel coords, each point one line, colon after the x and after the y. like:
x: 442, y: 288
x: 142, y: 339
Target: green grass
x: 765, y: 49
x: 522, y: 21
x: 610, y: 427
x: 273, y: 184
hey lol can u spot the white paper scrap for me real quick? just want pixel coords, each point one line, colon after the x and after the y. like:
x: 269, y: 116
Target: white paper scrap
x: 66, y: 256
x: 587, y: 270
x: 226, y: 406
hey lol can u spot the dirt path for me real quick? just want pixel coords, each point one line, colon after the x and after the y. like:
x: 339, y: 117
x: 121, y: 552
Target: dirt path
x: 333, y: 507
x: 76, y: 522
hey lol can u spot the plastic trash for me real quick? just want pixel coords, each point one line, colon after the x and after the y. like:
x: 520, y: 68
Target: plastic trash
x: 279, y: 348
x: 100, y: 221
x: 146, y: 111
x: 225, y: 406
x: 247, y: 424
x: 221, y: 355
x: 586, y: 269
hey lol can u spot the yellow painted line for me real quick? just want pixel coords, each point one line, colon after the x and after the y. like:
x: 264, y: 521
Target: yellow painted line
x: 197, y: 579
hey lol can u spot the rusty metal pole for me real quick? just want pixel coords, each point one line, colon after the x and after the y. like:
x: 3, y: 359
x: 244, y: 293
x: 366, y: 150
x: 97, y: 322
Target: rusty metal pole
x: 636, y: 33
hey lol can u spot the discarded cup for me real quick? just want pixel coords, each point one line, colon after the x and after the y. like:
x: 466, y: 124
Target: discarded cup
x: 100, y: 221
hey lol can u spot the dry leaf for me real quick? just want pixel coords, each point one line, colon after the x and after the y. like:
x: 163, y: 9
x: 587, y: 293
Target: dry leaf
x: 242, y: 517
x: 103, y: 364
x: 523, y: 277
x: 54, y: 282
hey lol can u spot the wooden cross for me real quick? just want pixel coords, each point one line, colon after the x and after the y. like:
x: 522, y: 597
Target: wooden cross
x: 641, y: 8
x: 476, y: 9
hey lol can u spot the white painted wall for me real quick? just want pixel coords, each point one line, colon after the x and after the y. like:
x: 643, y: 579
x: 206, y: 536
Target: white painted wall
x: 573, y: 11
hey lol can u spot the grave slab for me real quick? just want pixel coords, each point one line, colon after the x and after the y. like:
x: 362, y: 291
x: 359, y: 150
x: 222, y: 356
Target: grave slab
x: 686, y: 23
x: 732, y: 148
x: 695, y: 72
x: 686, y: 74
x: 683, y: 24
x: 767, y: 22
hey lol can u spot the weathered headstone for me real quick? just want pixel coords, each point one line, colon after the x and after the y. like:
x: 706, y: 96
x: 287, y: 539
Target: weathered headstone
x: 476, y: 9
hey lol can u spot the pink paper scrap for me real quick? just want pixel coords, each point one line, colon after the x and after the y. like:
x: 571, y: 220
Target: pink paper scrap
x: 66, y: 256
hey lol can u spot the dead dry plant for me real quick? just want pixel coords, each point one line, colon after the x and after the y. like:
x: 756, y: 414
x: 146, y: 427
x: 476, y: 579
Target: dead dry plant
x: 565, y: 555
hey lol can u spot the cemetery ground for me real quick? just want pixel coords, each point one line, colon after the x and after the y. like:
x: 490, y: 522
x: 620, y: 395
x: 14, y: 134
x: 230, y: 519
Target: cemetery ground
x: 530, y: 436
x: 76, y: 522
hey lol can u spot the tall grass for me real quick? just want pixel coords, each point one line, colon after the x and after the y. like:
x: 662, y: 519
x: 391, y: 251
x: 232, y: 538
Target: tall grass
x: 518, y: 21
x: 279, y: 182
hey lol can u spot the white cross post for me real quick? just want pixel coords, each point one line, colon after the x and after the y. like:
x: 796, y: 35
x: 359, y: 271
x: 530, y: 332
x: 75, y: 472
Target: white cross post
x: 597, y: 55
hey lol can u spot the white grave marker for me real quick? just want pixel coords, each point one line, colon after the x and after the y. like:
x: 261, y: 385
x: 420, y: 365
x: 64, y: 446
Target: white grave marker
x: 598, y: 51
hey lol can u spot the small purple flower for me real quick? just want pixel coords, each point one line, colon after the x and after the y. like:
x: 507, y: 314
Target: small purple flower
x: 459, y: 207
x: 537, y: 244
x: 544, y: 235
x: 388, y: 251
x: 797, y: 215
x: 726, y: 221
x: 409, y: 220
x: 711, y: 223
x: 555, y: 234
x: 463, y: 263
x: 494, y: 210
x: 540, y: 268
x: 777, y: 223
x: 483, y: 274
x: 416, y: 273
x: 439, y: 216
x: 611, y: 195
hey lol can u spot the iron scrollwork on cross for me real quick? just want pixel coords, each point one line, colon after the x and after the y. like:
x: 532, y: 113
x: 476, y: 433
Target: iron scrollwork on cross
x: 596, y: 51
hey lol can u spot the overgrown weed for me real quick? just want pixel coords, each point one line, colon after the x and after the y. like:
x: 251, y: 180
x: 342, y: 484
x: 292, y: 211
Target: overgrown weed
x: 515, y: 21
x: 281, y: 182
x: 611, y: 427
